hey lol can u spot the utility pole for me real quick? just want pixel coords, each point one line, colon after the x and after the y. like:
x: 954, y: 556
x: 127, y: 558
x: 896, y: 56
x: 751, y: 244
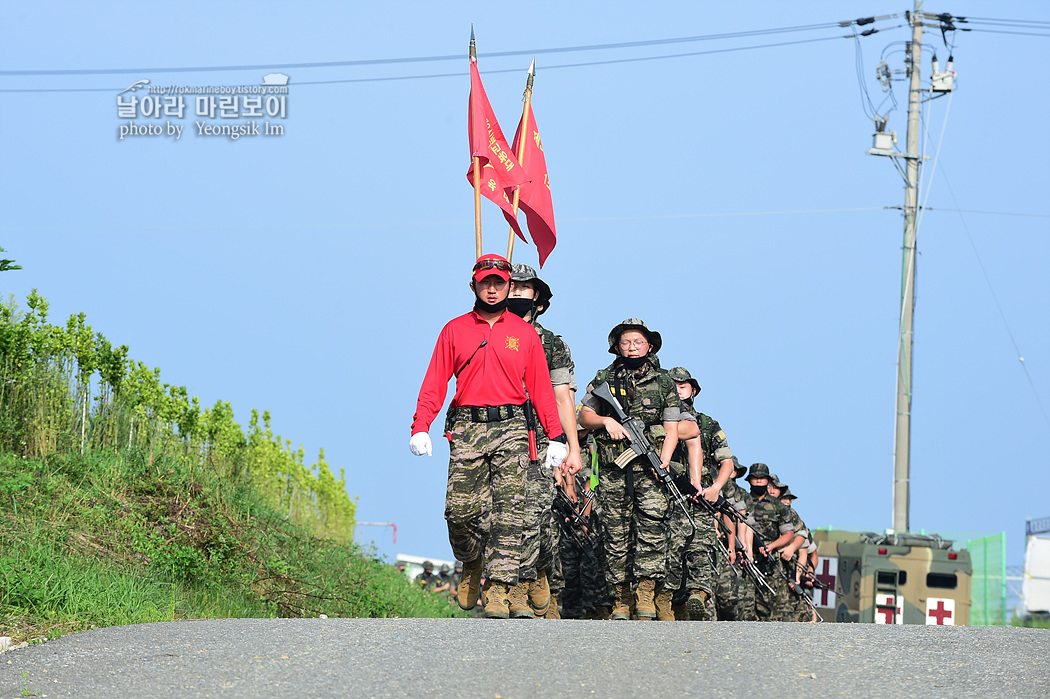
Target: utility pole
x: 902, y: 432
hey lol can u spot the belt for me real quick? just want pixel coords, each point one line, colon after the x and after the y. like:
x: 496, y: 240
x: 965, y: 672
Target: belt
x: 490, y: 413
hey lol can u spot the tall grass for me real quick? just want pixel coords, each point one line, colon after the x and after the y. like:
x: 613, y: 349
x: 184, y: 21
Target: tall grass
x: 104, y: 539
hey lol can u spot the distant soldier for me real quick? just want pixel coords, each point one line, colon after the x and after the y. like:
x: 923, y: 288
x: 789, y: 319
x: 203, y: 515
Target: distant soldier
x: 773, y: 526
x: 633, y: 505
x: 691, y: 555
x: 798, y: 550
x: 540, y: 578
x: 734, y: 590
x: 457, y: 575
x: 498, y: 361
x: 399, y: 566
x: 427, y: 580
x: 444, y: 579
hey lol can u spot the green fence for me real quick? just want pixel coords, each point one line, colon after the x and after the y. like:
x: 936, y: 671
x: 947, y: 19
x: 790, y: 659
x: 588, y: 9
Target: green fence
x: 988, y: 585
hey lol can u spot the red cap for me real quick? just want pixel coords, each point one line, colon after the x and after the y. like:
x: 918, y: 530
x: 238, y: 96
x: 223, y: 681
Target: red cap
x: 491, y: 264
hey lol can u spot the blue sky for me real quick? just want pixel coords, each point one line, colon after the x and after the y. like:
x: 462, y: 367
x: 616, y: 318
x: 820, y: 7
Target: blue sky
x: 725, y: 198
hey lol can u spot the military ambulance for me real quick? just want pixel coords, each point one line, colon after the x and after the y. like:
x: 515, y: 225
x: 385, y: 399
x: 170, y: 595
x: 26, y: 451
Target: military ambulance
x: 891, y: 579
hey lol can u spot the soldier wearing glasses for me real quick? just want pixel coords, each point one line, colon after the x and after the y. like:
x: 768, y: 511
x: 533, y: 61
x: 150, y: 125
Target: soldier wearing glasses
x: 633, y: 509
x: 496, y: 357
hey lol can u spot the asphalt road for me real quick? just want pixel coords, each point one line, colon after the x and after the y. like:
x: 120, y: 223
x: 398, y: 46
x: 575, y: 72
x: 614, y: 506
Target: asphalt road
x: 542, y: 658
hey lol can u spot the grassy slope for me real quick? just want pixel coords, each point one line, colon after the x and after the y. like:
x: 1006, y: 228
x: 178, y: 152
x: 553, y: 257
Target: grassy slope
x: 108, y: 539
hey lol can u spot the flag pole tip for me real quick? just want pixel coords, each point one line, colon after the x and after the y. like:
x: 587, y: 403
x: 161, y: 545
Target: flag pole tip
x: 532, y: 66
x: 472, y: 31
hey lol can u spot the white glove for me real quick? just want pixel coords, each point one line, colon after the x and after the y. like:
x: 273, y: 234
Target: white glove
x: 556, y: 453
x: 420, y: 444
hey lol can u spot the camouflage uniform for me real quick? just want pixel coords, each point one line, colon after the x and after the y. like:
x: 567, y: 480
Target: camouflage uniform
x: 541, y: 535
x: 734, y: 591
x: 584, y: 568
x: 483, y: 519
x: 771, y: 520
x: 691, y: 556
x: 633, y: 503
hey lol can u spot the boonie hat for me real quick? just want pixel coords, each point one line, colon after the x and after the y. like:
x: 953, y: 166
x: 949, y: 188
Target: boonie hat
x: 524, y: 273
x: 682, y: 375
x: 775, y: 480
x: 653, y: 337
x: 757, y: 471
x: 738, y: 468
x: 785, y: 492
x: 491, y: 264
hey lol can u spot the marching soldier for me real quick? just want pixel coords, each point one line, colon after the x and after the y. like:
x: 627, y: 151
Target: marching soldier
x: 691, y: 554
x: 735, y: 591
x: 773, y: 526
x: 498, y: 361
x: 427, y: 580
x: 633, y: 506
x: 540, y: 577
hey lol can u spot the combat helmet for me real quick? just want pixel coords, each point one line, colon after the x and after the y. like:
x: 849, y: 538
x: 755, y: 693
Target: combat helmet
x: 445, y: 569
x: 524, y: 273
x: 655, y: 341
x: 427, y: 565
x: 682, y: 375
x: 757, y: 471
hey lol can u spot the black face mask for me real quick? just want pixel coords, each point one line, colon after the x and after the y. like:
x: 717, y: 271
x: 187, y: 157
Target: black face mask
x: 480, y: 305
x: 633, y: 362
x: 519, y: 306
x: 758, y: 490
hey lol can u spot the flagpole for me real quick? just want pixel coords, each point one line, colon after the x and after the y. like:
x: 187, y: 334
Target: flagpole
x: 477, y: 170
x: 521, y: 151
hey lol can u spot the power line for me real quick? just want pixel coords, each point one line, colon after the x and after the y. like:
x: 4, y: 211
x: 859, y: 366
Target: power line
x: 449, y: 57
x: 487, y: 72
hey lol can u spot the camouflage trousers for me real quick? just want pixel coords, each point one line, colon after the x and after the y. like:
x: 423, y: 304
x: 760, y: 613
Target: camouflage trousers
x: 485, y: 500
x: 727, y: 589
x: 634, y: 525
x: 536, y: 548
x: 690, y: 555
x: 785, y: 605
x: 746, y: 598
x: 583, y: 568
x: 769, y: 607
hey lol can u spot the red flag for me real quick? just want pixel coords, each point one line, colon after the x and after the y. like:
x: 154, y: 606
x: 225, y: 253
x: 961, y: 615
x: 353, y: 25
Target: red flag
x: 500, y: 170
x: 534, y: 196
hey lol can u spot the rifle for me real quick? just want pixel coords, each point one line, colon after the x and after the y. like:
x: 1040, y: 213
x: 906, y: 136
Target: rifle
x: 640, y: 446
x: 689, y: 490
x: 722, y: 506
x: 571, y: 518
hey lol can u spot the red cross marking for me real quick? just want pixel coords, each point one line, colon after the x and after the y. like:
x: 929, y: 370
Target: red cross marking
x: 888, y: 612
x: 828, y: 578
x: 940, y: 613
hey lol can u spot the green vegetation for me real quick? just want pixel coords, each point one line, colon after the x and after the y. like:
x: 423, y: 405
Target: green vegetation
x: 121, y: 501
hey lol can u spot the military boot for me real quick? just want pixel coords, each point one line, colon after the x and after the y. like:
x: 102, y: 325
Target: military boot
x: 518, y: 597
x: 697, y: 605
x: 470, y: 585
x: 498, y: 606
x: 552, y: 609
x: 621, y: 610
x: 680, y: 611
x: 644, y: 604
x: 540, y: 594
x: 664, y: 611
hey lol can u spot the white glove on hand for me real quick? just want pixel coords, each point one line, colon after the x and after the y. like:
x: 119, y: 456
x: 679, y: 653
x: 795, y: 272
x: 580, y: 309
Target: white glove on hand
x: 556, y: 453
x: 420, y: 444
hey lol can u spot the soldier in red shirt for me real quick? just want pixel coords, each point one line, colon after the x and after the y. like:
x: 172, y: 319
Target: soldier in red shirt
x: 496, y: 357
